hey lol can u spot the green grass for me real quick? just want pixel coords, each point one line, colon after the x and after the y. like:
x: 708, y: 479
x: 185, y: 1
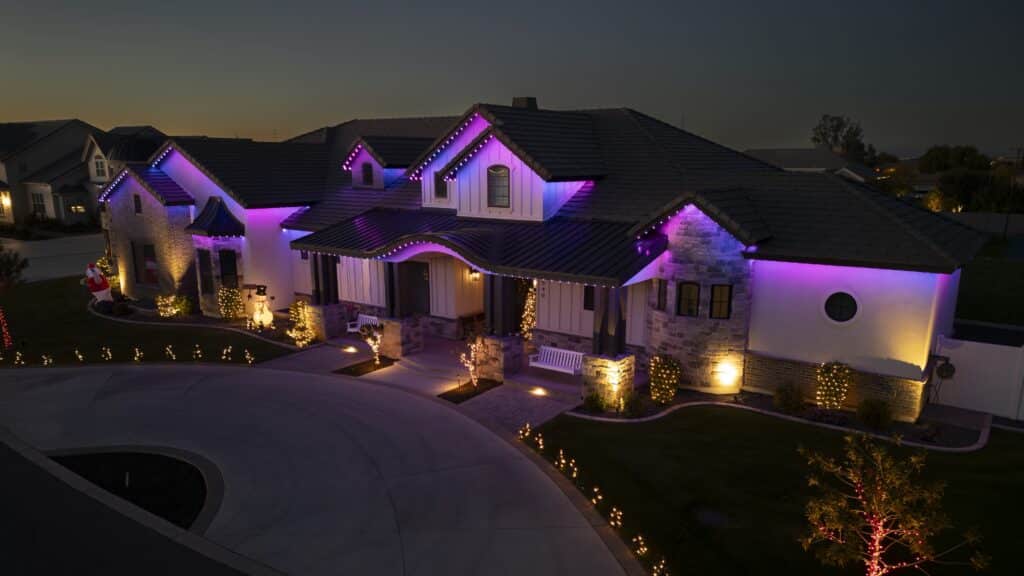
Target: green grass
x: 991, y: 287
x: 721, y: 491
x: 49, y: 317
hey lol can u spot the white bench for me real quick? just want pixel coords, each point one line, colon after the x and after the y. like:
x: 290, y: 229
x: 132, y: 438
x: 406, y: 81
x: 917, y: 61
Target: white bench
x: 558, y: 360
x: 363, y: 320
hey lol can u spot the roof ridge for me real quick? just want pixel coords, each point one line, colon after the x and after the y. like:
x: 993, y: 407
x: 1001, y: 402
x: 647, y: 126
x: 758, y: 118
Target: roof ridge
x: 867, y: 195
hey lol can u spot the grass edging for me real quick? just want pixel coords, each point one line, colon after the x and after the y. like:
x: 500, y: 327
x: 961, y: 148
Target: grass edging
x: 978, y: 445
x: 197, y: 325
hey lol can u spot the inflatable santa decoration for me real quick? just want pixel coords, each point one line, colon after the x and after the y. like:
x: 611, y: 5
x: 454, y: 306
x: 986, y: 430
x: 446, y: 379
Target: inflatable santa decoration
x: 97, y: 284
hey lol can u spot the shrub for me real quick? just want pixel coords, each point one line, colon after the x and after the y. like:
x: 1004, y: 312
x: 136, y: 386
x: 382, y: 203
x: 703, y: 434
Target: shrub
x: 229, y: 300
x: 665, y: 372
x: 173, y: 305
x: 875, y: 413
x: 833, y: 382
x: 301, y: 331
x: 592, y: 403
x: 788, y: 398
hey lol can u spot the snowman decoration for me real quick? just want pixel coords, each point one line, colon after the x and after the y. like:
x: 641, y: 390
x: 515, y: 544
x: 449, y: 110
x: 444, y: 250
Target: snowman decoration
x: 97, y: 284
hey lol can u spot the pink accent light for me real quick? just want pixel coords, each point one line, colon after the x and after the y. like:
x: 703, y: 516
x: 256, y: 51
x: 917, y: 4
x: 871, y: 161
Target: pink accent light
x: 347, y: 165
x: 450, y: 176
x: 417, y: 174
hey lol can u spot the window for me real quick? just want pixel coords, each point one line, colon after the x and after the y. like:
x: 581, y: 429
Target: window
x: 101, y: 167
x: 841, y: 307
x: 497, y: 186
x: 304, y: 255
x: 76, y: 209
x: 149, y: 271
x: 661, y: 290
x: 688, y: 299
x: 228, y: 268
x: 367, y: 169
x: 38, y: 204
x: 135, y: 262
x: 588, y: 297
x: 205, y: 272
x: 138, y: 203
x: 721, y: 301
x: 440, y: 186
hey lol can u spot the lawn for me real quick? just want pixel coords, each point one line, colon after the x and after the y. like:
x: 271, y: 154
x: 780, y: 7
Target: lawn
x: 991, y: 287
x: 721, y: 491
x: 49, y: 317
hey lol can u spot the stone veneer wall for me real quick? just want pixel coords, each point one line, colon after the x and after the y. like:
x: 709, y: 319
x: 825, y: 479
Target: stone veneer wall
x: 703, y: 252
x: 499, y: 356
x: 441, y: 327
x: 331, y: 320
x: 564, y: 341
x: 904, y: 395
x: 596, y: 376
x: 402, y: 336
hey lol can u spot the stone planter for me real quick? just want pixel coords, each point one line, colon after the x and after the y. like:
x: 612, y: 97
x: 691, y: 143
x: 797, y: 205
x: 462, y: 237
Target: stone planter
x: 611, y: 378
x: 500, y: 355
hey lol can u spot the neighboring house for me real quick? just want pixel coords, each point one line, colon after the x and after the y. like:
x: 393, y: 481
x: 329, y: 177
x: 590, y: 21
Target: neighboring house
x: 35, y: 163
x: 639, y: 239
x: 6, y: 212
x: 813, y: 160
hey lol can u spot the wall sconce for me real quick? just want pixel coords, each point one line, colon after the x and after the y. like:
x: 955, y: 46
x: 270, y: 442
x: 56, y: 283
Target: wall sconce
x: 474, y: 275
x: 5, y: 200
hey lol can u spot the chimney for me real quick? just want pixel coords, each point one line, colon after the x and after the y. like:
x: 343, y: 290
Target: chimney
x: 528, y: 102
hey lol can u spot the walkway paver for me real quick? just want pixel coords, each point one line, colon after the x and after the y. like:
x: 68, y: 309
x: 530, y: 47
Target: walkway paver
x: 323, y: 474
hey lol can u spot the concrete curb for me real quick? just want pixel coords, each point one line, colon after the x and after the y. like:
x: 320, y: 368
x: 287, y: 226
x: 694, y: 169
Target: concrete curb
x: 193, y: 325
x: 185, y: 538
x: 978, y: 445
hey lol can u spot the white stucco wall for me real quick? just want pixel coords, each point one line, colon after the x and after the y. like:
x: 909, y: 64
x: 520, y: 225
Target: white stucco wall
x: 526, y: 188
x: 452, y: 292
x: 362, y: 281
x: 197, y: 184
x: 302, y: 278
x: 442, y: 159
x: 892, y: 332
x: 266, y: 254
x: 560, y: 309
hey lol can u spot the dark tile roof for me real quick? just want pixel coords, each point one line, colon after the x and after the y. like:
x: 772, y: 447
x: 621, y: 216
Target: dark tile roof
x: 810, y: 159
x: 56, y: 169
x: 72, y: 190
x: 156, y: 181
x: 216, y: 220
x: 559, y: 249
x: 344, y: 202
x: 132, y: 143
x: 16, y: 136
x: 395, y: 151
x: 260, y: 174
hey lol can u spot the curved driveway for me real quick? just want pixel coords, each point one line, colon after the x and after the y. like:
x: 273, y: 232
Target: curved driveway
x: 323, y: 475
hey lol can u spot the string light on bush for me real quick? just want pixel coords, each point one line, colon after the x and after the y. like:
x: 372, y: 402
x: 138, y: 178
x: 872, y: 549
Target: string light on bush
x: 169, y: 352
x: 105, y: 354
x: 665, y: 374
x: 529, y: 319
x: 197, y: 353
x: 615, y: 518
x: 46, y: 360
x: 79, y: 356
x: 639, y: 546
x: 833, y: 384
x: 173, y: 305
x: 18, y: 359
x: 596, y: 497
x: 659, y: 568
x: 524, y: 431
x: 225, y: 354
x: 249, y: 358
x: 137, y: 354
x: 229, y: 301
x: 301, y: 331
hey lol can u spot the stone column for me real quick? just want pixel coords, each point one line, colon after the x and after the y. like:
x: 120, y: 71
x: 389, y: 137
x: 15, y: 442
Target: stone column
x: 499, y: 355
x: 401, y: 336
x: 610, y: 377
x: 500, y: 304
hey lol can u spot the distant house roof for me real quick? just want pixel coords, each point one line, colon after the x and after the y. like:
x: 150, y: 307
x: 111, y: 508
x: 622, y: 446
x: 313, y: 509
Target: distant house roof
x: 648, y: 170
x: 811, y: 160
x: 258, y: 174
x: 559, y: 249
x: 47, y: 174
x: 17, y: 136
x: 154, y: 180
x: 72, y: 190
x: 216, y: 220
x: 393, y: 151
x: 131, y: 143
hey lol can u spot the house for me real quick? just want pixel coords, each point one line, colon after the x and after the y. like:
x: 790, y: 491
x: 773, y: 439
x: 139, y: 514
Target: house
x: 813, y: 160
x: 37, y: 168
x: 639, y: 239
x: 630, y: 236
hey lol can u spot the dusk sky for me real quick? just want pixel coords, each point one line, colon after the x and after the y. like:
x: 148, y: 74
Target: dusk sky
x: 746, y: 74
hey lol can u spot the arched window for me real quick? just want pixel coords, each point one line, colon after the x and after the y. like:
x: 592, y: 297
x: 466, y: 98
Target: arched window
x: 497, y: 186
x: 367, y: 169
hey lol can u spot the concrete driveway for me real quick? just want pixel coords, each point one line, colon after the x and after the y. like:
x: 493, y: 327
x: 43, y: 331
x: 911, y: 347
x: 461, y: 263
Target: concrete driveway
x: 323, y: 474
x: 58, y: 257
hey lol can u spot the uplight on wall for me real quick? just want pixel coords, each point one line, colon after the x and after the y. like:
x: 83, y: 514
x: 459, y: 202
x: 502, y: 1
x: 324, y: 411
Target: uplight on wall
x: 726, y: 373
x: 5, y: 200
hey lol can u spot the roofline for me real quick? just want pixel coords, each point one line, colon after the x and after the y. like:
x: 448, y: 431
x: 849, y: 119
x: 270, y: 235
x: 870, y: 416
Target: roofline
x: 65, y: 124
x: 172, y: 144
x: 352, y: 152
x: 849, y: 263
x: 707, y: 208
x: 50, y: 181
x: 127, y: 171
x: 422, y: 158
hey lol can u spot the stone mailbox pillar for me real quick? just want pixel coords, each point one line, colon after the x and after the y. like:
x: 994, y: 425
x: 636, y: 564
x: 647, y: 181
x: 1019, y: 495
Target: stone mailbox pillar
x: 610, y: 377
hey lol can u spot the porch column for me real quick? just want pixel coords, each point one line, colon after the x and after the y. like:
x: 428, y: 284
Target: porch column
x: 328, y: 279
x: 500, y: 305
x: 314, y: 271
x: 609, y: 322
x: 391, y: 290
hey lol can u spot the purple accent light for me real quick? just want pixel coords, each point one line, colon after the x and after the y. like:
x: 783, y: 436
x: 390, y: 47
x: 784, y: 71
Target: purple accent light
x: 462, y: 130
x: 113, y: 185
x: 347, y: 164
x: 450, y: 176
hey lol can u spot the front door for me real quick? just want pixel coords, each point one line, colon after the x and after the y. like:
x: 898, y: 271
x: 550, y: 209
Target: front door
x: 414, y: 287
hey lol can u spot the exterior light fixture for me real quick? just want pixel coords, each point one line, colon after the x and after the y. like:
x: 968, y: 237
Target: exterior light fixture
x: 350, y: 349
x: 726, y: 373
x: 474, y: 275
x: 538, y: 391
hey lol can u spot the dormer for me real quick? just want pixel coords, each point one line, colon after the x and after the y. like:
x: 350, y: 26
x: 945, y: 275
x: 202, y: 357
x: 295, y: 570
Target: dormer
x: 376, y: 162
x: 511, y: 162
x: 95, y: 158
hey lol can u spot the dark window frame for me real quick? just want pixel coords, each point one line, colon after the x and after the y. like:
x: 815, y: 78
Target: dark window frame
x: 150, y: 274
x: 137, y: 203
x: 499, y: 175
x: 440, y: 186
x: 205, y: 271
x: 690, y: 308
x: 715, y: 303
x: 660, y: 294
x: 38, y: 208
x: 589, y: 295
x: 366, y: 173
x: 228, y: 279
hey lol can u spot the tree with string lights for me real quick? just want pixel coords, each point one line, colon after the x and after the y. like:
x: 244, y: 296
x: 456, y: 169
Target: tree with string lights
x: 12, y: 265
x: 875, y: 509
